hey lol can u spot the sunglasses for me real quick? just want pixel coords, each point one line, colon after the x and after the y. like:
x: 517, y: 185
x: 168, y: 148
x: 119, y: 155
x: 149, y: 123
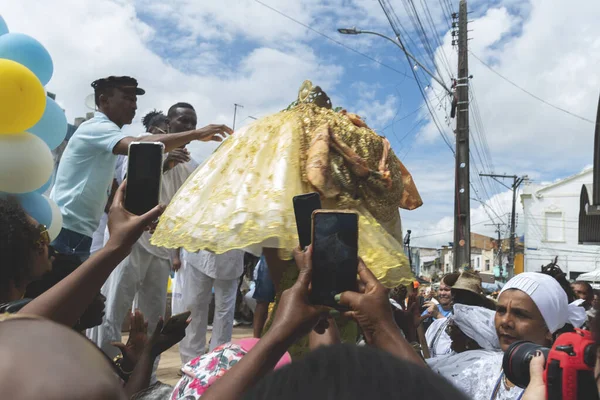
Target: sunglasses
x: 44, y: 238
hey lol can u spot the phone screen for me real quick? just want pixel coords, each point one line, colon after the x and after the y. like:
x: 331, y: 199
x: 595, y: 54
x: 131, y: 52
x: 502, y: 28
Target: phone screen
x: 304, y: 206
x: 144, y: 173
x: 335, y: 256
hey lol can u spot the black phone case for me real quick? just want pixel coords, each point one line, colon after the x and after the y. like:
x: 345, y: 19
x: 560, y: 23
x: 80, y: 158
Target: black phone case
x: 324, y: 294
x: 304, y: 206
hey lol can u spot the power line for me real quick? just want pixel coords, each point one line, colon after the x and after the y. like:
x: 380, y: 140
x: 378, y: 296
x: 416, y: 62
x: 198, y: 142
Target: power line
x: 333, y: 40
x: 441, y: 233
x: 529, y: 93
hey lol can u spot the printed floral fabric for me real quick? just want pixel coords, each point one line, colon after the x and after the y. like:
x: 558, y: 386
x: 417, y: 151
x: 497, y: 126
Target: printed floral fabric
x: 203, y: 371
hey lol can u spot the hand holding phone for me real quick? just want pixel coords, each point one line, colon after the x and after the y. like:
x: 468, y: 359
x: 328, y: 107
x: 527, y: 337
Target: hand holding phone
x: 144, y: 176
x: 335, y: 255
x: 176, y: 322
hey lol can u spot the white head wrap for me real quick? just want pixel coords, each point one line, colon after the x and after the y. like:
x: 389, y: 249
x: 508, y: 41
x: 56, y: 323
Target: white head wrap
x: 550, y: 299
x: 478, y: 324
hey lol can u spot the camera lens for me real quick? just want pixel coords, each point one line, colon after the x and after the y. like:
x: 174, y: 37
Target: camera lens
x: 516, y: 361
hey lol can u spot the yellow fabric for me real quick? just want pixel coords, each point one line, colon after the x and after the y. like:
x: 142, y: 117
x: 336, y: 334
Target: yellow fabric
x: 241, y: 198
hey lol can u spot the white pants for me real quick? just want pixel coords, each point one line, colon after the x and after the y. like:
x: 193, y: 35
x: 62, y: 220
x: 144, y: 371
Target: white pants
x: 192, y: 291
x: 141, y: 276
x: 98, y: 236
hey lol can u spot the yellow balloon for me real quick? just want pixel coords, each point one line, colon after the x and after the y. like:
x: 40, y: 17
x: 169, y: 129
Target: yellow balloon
x: 22, y: 97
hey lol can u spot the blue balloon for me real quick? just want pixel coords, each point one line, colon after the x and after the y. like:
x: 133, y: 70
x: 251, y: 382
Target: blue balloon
x: 37, y: 207
x: 3, y: 26
x: 29, y: 52
x: 52, y: 127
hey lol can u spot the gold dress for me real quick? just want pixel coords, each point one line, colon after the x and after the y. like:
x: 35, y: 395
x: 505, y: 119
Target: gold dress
x: 241, y: 197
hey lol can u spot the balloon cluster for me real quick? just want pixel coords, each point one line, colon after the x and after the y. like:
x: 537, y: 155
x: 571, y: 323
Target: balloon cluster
x: 31, y: 125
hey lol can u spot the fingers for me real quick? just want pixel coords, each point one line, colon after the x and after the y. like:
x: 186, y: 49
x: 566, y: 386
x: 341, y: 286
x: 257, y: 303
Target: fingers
x: 365, y: 274
x: 120, y: 194
x: 159, y: 326
x: 152, y: 215
x: 304, y: 263
x: 349, y: 299
x: 536, y: 369
x: 118, y: 345
x: 227, y: 129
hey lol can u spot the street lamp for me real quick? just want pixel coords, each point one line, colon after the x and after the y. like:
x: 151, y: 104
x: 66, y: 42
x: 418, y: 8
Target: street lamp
x: 354, y: 31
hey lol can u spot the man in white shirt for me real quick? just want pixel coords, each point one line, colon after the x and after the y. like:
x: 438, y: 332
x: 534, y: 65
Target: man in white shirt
x: 85, y: 173
x: 144, y: 274
x: 199, y: 274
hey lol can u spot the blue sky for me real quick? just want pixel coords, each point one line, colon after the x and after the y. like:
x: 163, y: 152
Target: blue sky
x: 215, y: 54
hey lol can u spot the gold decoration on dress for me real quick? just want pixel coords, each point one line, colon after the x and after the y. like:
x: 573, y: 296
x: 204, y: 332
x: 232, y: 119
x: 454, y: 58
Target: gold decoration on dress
x: 241, y: 197
x: 318, y: 170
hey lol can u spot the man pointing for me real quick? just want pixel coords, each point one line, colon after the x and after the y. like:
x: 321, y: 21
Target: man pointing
x: 85, y: 172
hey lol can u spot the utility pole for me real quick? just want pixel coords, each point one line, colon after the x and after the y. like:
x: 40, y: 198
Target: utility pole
x: 235, y: 107
x: 462, y: 197
x: 499, y: 244
x: 515, y: 185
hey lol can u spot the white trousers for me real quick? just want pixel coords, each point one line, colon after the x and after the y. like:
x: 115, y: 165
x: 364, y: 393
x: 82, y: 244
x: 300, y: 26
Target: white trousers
x: 141, y: 276
x: 192, y: 292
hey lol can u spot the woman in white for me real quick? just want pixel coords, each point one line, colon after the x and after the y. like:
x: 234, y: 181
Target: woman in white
x: 477, y: 324
x: 532, y: 307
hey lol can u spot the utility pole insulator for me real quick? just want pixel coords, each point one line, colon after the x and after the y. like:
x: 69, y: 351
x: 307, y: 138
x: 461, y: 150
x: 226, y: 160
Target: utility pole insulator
x: 462, y: 199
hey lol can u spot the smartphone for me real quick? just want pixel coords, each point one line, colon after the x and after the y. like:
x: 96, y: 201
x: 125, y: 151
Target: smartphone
x: 304, y: 206
x: 144, y: 176
x: 335, y: 255
x: 174, y: 321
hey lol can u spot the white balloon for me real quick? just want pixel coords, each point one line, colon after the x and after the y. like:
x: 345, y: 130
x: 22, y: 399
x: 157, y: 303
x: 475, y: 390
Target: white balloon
x: 26, y: 163
x: 57, y: 220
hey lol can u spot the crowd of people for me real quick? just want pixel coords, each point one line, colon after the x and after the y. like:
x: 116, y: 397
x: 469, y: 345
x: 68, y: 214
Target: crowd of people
x: 64, y: 303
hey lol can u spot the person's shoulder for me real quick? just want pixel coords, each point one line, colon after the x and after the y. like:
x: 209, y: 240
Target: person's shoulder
x: 99, y: 122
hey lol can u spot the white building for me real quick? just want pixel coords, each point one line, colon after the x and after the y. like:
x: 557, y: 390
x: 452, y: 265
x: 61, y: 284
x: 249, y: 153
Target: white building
x: 423, y: 260
x: 551, y: 214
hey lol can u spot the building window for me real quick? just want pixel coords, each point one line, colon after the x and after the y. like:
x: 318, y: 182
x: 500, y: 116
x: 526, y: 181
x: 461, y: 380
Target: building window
x: 478, y: 261
x: 487, y: 265
x: 554, y: 227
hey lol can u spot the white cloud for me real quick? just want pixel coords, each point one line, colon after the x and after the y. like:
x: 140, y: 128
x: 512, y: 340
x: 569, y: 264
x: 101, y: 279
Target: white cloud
x: 91, y: 39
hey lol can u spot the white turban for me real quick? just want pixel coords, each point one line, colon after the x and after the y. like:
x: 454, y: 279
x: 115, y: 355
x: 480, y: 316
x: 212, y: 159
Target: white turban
x: 550, y: 299
x: 478, y: 324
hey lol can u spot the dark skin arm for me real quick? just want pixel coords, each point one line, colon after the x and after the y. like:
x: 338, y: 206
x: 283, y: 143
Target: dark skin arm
x: 158, y: 343
x: 66, y: 301
x: 371, y: 310
x: 216, y: 133
x: 295, y: 317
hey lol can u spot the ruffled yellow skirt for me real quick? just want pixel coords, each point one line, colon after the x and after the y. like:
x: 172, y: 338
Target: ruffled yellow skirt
x: 241, y: 198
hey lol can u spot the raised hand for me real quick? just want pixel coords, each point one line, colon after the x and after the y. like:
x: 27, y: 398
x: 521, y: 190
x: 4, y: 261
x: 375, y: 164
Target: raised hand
x: 126, y: 228
x: 138, y: 338
x: 162, y: 341
x: 296, y: 316
x: 370, y: 308
x: 175, y: 157
x: 215, y: 133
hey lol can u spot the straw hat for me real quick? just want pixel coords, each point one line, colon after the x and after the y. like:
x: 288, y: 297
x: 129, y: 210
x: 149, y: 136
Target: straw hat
x: 470, y: 282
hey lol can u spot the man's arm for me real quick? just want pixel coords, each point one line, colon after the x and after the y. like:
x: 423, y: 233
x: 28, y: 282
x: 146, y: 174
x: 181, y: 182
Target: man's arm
x: 172, y: 141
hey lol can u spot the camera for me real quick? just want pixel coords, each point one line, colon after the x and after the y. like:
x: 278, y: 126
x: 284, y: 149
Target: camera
x: 569, y: 366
